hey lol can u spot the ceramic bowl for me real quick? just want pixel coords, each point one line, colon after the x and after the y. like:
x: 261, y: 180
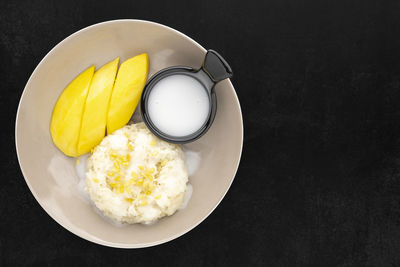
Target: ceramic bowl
x: 52, y: 177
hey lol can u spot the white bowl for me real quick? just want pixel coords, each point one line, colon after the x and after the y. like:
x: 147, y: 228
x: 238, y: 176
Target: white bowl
x: 51, y: 175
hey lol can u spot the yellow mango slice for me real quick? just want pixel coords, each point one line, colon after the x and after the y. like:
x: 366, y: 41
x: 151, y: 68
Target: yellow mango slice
x: 94, y: 119
x: 67, y: 113
x: 128, y: 87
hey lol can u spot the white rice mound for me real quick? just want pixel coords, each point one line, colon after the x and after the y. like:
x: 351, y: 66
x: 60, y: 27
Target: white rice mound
x: 134, y: 177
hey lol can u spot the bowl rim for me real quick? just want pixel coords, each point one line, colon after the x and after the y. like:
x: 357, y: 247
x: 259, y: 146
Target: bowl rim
x: 75, y: 230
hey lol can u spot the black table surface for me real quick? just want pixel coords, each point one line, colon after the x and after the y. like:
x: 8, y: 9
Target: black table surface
x: 319, y: 179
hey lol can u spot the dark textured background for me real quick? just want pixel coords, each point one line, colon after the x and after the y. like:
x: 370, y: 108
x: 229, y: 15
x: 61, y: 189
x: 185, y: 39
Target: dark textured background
x: 319, y: 180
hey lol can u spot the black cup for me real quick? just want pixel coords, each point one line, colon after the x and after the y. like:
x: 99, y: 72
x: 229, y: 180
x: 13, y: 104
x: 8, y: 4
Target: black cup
x: 213, y: 70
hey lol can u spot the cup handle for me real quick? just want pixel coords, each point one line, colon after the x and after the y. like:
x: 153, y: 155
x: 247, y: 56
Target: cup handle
x: 216, y: 67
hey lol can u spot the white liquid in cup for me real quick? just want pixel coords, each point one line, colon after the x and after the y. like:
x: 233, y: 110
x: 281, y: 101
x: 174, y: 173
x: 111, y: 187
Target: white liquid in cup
x: 178, y: 105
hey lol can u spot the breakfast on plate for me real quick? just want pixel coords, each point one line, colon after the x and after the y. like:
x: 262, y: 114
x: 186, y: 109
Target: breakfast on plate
x: 132, y: 176
x: 135, y: 173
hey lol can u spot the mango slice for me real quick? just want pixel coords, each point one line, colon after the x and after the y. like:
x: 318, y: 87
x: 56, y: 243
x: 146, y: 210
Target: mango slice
x: 67, y: 113
x: 128, y: 87
x: 94, y: 119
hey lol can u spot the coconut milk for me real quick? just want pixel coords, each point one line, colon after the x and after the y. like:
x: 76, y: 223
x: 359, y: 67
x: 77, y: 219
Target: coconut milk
x: 178, y: 105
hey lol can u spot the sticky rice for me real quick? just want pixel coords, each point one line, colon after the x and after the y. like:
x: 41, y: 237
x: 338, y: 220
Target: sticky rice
x: 134, y: 177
